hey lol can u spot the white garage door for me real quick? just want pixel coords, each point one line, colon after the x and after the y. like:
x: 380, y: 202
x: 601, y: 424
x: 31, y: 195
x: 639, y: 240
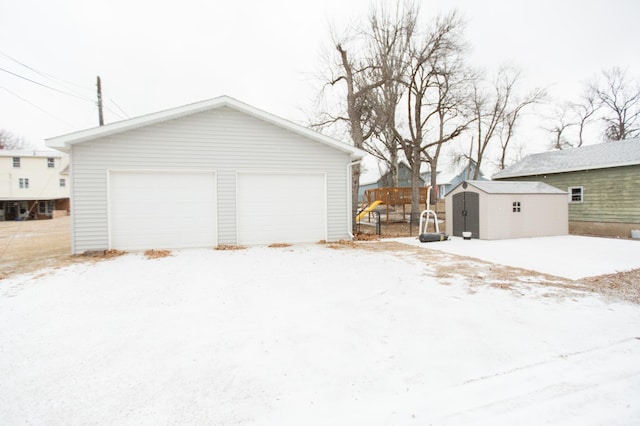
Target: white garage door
x: 281, y: 208
x: 162, y: 209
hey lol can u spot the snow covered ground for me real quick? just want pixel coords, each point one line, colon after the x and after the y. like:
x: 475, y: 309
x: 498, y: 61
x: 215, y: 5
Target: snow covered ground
x: 569, y: 256
x: 306, y: 335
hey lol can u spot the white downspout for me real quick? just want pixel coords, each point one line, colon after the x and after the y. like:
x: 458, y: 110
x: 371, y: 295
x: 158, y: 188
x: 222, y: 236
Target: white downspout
x: 349, y: 193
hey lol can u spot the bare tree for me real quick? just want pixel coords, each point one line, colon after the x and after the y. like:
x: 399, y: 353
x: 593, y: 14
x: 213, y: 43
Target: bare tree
x: 619, y: 98
x: 510, y: 120
x: 584, y: 112
x: 569, y: 115
x: 352, y: 73
x: 389, y: 33
x: 560, y: 121
x: 10, y: 141
x: 496, y: 112
x: 432, y: 103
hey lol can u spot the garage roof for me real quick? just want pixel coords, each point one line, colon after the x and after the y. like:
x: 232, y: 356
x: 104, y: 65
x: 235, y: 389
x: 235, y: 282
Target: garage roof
x: 64, y: 142
x: 493, y: 187
x: 601, y: 156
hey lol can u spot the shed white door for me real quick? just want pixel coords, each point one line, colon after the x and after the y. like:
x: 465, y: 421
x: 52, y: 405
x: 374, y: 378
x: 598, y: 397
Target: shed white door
x: 281, y: 207
x: 162, y: 209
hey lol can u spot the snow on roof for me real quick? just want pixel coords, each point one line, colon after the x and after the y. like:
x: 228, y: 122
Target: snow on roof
x: 29, y: 153
x: 64, y: 142
x: 493, y: 187
x: 445, y: 177
x: 604, y: 155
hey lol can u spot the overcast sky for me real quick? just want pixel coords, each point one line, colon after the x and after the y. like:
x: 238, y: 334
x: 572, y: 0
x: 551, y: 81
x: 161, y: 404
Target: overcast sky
x: 156, y: 55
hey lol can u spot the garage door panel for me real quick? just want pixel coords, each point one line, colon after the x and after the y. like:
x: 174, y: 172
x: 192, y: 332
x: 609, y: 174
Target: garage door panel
x: 286, y: 207
x: 162, y: 209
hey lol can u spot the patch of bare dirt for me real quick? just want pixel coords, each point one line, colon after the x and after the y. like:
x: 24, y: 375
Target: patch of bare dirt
x: 279, y: 245
x: 229, y: 247
x: 342, y: 244
x: 157, y: 254
x: 366, y: 237
x: 623, y: 284
x: 27, y: 246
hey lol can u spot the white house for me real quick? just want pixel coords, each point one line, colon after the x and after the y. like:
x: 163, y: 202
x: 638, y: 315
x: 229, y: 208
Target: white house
x: 34, y: 184
x: 209, y: 173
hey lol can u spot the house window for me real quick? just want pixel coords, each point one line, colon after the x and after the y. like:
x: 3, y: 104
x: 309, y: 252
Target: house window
x: 23, y: 183
x: 51, y: 162
x: 63, y: 183
x: 516, y: 206
x: 45, y: 207
x: 16, y: 162
x: 576, y: 194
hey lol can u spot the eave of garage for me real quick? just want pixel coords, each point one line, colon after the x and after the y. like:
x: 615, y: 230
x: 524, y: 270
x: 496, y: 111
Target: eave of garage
x: 65, y: 142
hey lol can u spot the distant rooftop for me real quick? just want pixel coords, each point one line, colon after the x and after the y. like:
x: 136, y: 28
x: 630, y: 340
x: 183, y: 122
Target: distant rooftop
x: 605, y: 155
x: 493, y: 187
x: 30, y: 153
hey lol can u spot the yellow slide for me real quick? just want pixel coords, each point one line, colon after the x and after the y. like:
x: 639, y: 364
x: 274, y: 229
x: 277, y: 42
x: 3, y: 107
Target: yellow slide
x: 369, y: 208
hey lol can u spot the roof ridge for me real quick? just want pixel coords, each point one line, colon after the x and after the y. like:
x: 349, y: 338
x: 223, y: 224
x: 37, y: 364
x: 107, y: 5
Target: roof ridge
x: 604, y: 155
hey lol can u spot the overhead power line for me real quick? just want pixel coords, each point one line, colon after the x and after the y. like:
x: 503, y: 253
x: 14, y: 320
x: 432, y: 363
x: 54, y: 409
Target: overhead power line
x: 61, y: 82
x: 44, y: 85
x: 39, y: 108
x: 50, y: 77
x: 118, y: 106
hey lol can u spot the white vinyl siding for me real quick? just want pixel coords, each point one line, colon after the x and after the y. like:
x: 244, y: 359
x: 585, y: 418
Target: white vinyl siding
x: 224, y: 140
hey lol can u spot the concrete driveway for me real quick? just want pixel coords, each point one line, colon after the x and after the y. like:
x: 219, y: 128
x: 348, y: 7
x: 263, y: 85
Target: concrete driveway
x: 569, y: 256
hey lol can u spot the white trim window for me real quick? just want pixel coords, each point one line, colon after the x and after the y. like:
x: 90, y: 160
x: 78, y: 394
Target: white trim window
x: 45, y: 207
x: 23, y: 183
x: 63, y: 182
x: 517, y: 207
x: 576, y: 194
x: 51, y: 162
x: 16, y: 162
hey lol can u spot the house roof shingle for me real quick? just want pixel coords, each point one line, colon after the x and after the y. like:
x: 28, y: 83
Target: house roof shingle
x: 604, y: 155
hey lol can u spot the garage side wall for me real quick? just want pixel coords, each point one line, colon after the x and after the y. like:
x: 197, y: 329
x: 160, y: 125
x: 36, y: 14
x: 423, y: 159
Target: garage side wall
x: 222, y: 140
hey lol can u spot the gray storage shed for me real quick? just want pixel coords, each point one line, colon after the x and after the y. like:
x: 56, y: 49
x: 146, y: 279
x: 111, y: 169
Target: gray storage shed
x: 209, y: 173
x: 499, y: 210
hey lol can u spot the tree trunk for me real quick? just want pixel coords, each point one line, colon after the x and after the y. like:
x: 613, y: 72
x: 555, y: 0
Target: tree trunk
x: 415, y: 182
x: 393, y: 168
x: 355, y: 186
x: 433, y: 195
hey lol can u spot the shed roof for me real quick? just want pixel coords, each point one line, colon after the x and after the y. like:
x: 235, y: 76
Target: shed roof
x: 64, y: 142
x: 601, y: 156
x: 493, y: 187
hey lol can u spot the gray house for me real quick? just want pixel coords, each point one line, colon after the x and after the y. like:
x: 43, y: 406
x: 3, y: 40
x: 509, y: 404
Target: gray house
x: 500, y: 210
x: 209, y: 173
x: 446, y: 183
x: 602, y: 182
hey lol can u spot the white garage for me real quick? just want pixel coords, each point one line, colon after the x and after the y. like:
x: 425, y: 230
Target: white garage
x: 217, y: 172
x: 281, y: 207
x: 161, y: 209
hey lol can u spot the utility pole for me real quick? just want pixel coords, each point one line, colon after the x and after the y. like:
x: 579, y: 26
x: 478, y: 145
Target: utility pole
x: 100, y: 115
